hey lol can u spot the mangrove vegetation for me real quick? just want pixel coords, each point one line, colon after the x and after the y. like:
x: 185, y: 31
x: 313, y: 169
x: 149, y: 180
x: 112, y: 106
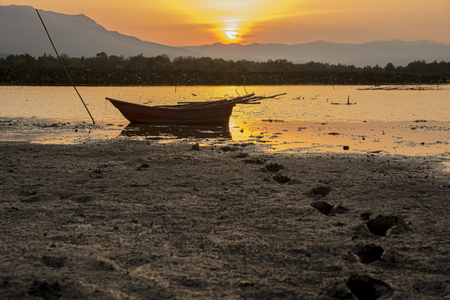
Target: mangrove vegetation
x: 102, y: 69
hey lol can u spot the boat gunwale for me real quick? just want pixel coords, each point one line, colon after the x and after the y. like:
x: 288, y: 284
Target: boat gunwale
x: 173, y: 107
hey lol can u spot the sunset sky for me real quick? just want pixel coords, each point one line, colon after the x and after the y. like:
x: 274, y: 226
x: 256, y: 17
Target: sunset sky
x: 198, y: 22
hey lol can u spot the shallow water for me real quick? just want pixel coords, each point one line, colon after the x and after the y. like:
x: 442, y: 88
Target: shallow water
x: 304, y: 119
x: 301, y: 103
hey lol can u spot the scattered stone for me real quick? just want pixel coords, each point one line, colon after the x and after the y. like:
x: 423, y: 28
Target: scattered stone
x: 54, y: 262
x: 196, y: 146
x: 324, y: 207
x: 340, y: 291
x: 369, y: 253
x: 346, y: 147
x: 45, y: 290
x: 273, y: 167
x: 12, y: 209
x: 143, y: 166
x: 321, y: 190
x: 242, y: 155
x: 397, y: 229
x: 328, y: 209
x: 225, y: 148
x: 338, y: 224
x: 365, y: 216
x: 281, y: 179
x: 339, y: 209
x: 255, y: 161
x: 101, y: 265
x: 382, y: 224
x: 365, y: 287
x: 97, y: 171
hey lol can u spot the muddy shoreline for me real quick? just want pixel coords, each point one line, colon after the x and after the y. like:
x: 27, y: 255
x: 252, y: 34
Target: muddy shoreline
x: 123, y: 219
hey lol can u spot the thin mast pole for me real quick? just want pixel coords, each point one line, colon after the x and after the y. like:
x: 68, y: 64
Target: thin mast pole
x: 64, y: 67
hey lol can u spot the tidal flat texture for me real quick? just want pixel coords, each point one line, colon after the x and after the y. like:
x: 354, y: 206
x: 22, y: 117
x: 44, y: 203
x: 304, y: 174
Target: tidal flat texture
x: 142, y: 220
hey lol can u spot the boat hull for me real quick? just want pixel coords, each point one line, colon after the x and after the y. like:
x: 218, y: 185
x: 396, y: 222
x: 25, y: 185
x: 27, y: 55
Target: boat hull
x: 144, y: 114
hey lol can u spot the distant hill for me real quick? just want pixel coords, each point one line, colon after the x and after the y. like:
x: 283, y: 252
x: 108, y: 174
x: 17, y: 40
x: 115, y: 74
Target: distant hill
x: 380, y: 53
x: 78, y: 35
x: 75, y: 35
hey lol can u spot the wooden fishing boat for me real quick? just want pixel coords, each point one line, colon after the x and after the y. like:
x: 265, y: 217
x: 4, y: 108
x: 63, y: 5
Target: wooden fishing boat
x: 177, y: 114
x: 207, y: 112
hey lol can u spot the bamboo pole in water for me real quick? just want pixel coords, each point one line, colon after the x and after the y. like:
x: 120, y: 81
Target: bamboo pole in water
x: 64, y: 67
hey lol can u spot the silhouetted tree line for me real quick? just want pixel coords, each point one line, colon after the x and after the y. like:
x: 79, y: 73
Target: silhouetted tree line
x: 161, y: 70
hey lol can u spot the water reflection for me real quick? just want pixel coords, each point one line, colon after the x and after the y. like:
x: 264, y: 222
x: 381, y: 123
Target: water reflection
x: 158, y: 132
x: 410, y: 138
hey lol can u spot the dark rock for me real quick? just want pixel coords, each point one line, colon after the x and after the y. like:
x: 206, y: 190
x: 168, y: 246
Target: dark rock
x: 196, y: 146
x: 273, y: 167
x: 321, y: 190
x: 339, y: 209
x: 365, y: 216
x: 242, y: 155
x: 281, y: 179
x: 381, y: 224
x: 367, y: 288
x: 54, y: 262
x: 255, y: 161
x: 324, y: 207
x: 338, y: 224
x: 45, y: 290
x: 340, y: 291
x: 369, y: 253
x: 143, y: 166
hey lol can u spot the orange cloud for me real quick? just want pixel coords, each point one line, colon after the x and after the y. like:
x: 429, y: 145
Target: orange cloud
x: 195, y: 22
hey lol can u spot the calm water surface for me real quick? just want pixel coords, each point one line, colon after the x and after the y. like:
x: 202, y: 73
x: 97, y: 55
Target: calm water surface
x: 302, y: 103
x: 304, y: 118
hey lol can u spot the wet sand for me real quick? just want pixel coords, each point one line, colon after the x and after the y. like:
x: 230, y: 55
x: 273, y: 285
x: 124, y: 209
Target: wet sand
x: 419, y: 137
x: 127, y: 219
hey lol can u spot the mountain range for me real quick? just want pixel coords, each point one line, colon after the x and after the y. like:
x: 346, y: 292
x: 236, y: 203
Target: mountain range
x: 21, y: 32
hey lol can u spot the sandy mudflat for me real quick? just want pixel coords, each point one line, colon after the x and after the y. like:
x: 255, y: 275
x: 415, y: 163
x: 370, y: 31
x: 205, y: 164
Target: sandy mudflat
x: 126, y: 219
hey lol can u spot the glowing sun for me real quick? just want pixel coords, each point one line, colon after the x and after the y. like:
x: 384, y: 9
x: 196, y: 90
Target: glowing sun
x: 231, y: 35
